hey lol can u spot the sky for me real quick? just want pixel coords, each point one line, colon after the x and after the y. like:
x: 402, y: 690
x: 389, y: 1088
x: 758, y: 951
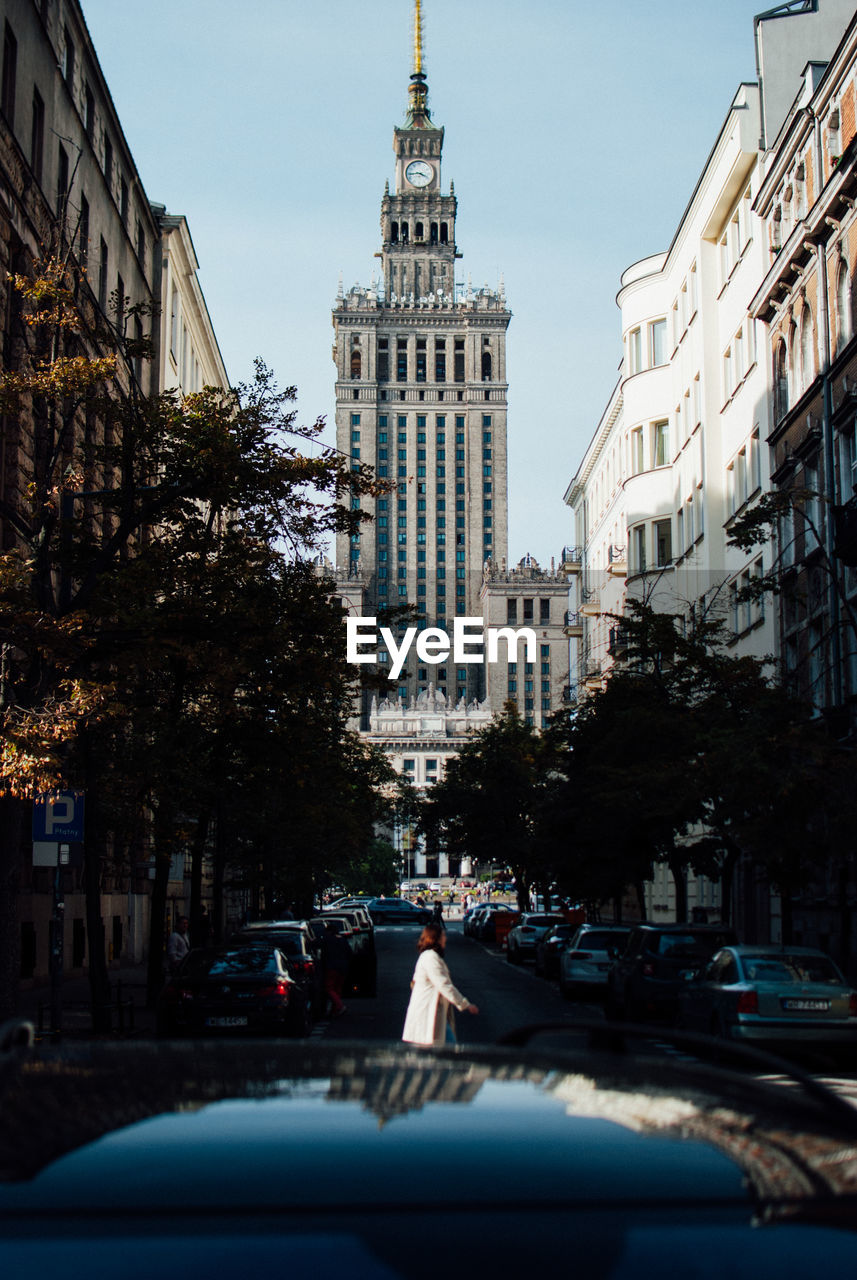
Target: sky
x: 575, y: 133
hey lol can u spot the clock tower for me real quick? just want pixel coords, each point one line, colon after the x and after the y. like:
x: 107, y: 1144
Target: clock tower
x: 421, y: 396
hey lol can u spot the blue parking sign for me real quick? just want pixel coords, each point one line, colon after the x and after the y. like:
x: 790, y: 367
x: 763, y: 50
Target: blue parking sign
x: 58, y: 815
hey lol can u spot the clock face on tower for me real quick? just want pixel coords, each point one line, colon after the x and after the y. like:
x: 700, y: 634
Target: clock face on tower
x: 419, y: 173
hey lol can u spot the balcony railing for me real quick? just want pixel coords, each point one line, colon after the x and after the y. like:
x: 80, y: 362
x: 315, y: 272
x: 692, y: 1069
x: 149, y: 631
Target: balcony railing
x: 571, y: 559
x: 573, y: 624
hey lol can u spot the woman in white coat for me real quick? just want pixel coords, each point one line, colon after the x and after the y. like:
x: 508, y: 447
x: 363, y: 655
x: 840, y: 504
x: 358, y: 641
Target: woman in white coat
x: 433, y: 996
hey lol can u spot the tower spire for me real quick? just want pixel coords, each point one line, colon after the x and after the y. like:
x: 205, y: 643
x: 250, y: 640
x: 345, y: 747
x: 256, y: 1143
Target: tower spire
x: 418, y: 37
x: 418, y: 112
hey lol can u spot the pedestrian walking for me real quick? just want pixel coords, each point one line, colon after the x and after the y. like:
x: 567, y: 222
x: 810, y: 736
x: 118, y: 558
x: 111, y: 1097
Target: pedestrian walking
x: 335, y: 957
x: 430, y: 1016
x: 437, y: 913
x: 178, y: 945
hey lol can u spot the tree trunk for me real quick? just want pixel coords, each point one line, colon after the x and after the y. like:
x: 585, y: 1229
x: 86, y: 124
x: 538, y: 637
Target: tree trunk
x: 99, y: 980
x: 12, y: 814
x: 157, y: 935
x: 678, y: 871
x: 197, y: 854
x: 727, y: 877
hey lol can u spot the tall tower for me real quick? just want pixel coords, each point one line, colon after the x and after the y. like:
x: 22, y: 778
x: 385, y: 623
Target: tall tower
x: 421, y: 395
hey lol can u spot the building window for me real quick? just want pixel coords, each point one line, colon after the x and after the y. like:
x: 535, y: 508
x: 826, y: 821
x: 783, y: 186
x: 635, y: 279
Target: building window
x: 68, y: 59
x: 440, y: 360
x: 103, y: 264
x: 10, y: 75
x: 637, y: 451
x: 356, y: 363
x: 383, y: 370
x: 843, y: 307
x: 37, y: 137
x: 62, y: 179
x: 807, y: 349
x: 661, y: 443
x: 635, y: 350
x: 544, y: 612
x: 639, y: 544
x: 401, y: 359
x: 663, y: 542
x: 83, y: 231
x: 459, y: 360
x: 781, y: 381
x: 89, y: 111
x: 658, y: 342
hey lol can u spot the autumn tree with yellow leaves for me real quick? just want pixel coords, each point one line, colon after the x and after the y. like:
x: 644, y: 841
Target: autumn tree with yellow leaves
x: 155, y: 606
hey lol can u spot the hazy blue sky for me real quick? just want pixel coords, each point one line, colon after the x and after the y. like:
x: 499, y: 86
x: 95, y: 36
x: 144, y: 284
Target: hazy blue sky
x: 575, y: 133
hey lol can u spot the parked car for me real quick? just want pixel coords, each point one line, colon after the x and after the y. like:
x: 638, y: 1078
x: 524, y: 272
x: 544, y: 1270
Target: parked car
x: 521, y: 943
x: 549, y: 947
x: 397, y: 911
x: 585, y: 962
x: 644, y: 982
x: 244, y: 987
x: 771, y: 994
x: 485, y: 927
x: 362, y: 978
x: 297, y: 942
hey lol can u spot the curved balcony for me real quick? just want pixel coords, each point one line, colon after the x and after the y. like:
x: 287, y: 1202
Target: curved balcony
x: 649, y: 495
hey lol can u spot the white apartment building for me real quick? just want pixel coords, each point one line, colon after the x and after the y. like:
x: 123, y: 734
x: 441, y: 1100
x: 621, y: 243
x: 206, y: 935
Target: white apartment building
x: 678, y: 452
x: 682, y: 446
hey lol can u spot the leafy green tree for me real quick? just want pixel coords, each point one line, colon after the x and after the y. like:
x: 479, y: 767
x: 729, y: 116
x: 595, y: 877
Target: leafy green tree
x: 148, y: 541
x: 489, y: 803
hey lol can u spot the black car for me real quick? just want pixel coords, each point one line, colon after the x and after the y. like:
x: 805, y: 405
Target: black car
x: 644, y: 982
x: 550, y: 945
x: 296, y: 943
x: 334, y: 1160
x: 246, y: 988
x: 397, y: 911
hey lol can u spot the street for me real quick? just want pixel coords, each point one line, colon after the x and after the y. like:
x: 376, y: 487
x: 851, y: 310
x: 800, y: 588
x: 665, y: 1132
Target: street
x: 507, y: 996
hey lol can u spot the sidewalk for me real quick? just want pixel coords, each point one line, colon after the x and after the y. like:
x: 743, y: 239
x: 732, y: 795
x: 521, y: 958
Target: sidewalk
x: 128, y: 1013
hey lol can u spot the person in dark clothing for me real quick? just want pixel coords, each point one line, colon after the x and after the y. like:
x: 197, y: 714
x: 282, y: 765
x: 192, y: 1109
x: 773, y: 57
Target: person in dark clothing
x: 336, y: 957
x: 437, y: 913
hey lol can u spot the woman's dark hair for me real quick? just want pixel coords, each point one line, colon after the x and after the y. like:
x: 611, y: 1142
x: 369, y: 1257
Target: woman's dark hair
x: 430, y: 938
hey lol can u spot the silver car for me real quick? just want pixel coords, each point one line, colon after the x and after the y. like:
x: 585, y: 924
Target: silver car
x: 584, y: 963
x: 771, y: 993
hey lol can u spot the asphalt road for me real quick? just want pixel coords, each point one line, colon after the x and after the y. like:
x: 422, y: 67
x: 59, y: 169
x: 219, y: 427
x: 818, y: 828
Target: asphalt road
x: 507, y: 996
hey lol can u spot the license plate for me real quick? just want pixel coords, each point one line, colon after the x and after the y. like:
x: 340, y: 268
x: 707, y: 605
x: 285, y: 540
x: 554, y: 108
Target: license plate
x: 226, y: 1022
x: 807, y: 1006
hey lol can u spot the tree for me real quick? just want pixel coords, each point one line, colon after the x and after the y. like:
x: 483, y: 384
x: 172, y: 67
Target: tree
x: 489, y: 803
x: 145, y: 529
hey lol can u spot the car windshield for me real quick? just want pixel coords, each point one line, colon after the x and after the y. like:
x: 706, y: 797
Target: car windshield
x: 602, y: 940
x: 792, y: 969
x: 689, y: 944
x: 232, y: 962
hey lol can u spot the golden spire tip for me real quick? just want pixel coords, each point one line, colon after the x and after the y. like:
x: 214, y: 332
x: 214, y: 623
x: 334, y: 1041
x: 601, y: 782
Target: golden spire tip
x: 418, y: 38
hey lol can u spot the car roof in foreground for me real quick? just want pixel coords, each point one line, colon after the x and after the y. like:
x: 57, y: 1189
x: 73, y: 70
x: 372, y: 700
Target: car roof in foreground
x: 114, y: 1155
